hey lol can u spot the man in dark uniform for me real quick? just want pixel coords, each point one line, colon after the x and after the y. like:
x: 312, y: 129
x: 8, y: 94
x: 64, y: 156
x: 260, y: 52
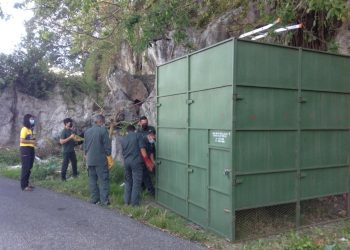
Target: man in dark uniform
x: 97, y: 146
x: 146, y: 130
x: 68, y: 143
x: 135, y: 157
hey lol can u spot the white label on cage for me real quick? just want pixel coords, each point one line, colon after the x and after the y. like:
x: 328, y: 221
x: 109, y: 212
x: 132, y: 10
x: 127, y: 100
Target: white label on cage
x: 220, y: 137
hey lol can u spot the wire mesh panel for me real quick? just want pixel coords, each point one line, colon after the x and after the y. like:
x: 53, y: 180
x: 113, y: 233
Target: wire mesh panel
x: 257, y: 222
x: 324, y: 209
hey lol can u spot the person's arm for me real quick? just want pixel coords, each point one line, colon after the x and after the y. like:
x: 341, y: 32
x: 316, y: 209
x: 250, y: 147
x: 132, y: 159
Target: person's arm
x: 152, y: 152
x: 142, y: 145
x: 33, y: 142
x: 107, y: 145
x: 148, y: 162
x: 65, y: 140
x: 152, y: 158
x: 85, y: 146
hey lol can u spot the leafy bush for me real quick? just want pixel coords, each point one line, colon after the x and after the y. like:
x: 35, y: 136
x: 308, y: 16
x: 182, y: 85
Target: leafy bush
x: 321, y: 18
x: 301, y: 242
x: 9, y: 157
x: 117, y: 173
x: 45, y: 169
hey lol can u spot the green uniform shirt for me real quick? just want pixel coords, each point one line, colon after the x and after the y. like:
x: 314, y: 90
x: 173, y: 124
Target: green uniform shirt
x: 97, y: 146
x: 131, y: 146
x: 69, y: 145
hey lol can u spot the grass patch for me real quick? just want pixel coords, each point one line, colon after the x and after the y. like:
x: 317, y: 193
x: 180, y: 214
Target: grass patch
x: 46, y: 174
x: 9, y: 156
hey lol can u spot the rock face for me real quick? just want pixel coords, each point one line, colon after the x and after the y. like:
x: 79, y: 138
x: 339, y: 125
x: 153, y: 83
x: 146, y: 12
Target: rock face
x: 8, y: 117
x: 49, y: 115
x: 131, y: 80
x: 133, y: 88
x: 343, y: 38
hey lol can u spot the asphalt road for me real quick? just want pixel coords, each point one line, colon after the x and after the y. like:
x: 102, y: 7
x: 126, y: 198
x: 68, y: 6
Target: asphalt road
x: 43, y: 219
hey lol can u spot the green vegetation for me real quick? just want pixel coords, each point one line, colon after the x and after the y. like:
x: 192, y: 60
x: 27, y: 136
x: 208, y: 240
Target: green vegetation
x: 91, y: 25
x: 9, y: 157
x: 29, y: 72
x: 328, y: 237
x: 320, y: 18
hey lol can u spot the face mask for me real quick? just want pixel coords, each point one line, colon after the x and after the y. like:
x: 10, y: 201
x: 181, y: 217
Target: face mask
x: 144, y: 126
x: 151, y: 141
x: 32, y: 122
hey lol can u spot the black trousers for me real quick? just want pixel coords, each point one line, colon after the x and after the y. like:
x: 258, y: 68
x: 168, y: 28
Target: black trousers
x: 70, y: 156
x: 27, y: 159
x: 147, y: 181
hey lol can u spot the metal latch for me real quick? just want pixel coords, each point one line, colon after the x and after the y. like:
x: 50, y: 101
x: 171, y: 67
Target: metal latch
x: 238, y: 181
x: 302, y: 175
x: 237, y: 97
x: 190, y: 170
x: 302, y: 99
x: 158, y: 162
x: 189, y: 101
x: 227, y: 171
x: 158, y: 104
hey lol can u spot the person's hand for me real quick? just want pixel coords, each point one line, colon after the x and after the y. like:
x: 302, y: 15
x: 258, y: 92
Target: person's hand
x: 110, y: 162
x: 33, y: 142
x: 149, y: 164
x: 71, y: 136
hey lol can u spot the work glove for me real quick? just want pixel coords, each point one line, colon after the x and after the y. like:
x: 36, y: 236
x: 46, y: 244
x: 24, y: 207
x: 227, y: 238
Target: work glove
x: 110, y: 162
x: 149, y: 164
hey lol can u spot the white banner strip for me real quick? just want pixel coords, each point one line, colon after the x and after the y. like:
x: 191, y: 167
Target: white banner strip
x: 260, y: 29
x: 279, y: 30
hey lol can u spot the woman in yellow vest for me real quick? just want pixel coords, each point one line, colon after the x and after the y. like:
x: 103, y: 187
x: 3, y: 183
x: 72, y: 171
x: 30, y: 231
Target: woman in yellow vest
x: 27, y: 144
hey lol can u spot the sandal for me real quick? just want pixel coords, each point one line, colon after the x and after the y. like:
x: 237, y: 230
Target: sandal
x: 28, y: 189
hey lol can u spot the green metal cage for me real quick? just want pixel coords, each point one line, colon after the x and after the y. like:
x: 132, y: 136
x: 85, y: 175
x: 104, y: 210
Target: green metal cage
x: 253, y: 134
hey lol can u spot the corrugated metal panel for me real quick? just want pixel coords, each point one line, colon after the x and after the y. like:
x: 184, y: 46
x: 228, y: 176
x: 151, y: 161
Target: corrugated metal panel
x: 172, y: 78
x: 325, y: 72
x: 266, y: 65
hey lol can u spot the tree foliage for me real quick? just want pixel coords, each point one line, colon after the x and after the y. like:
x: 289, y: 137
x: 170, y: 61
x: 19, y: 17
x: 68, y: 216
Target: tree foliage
x: 79, y: 33
x: 321, y: 19
x: 75, y: 28
x: 27, y: 72
x: 84, y: 25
